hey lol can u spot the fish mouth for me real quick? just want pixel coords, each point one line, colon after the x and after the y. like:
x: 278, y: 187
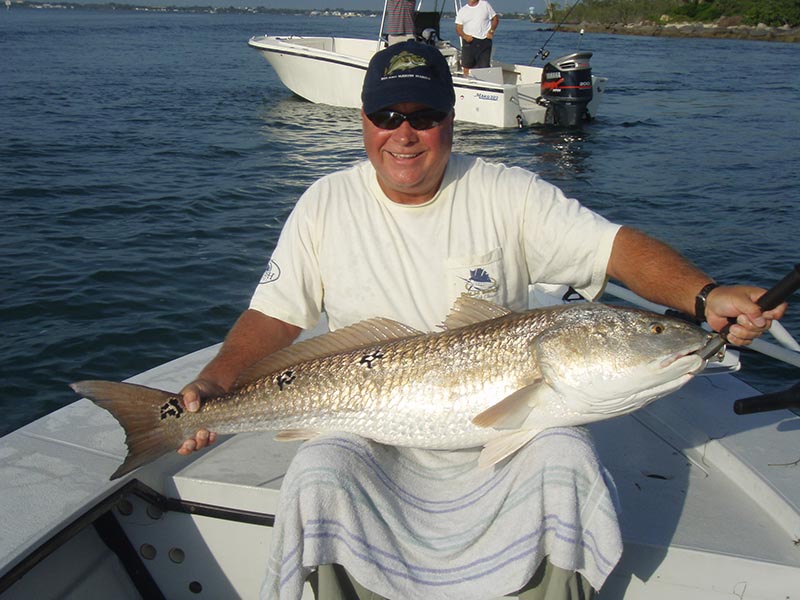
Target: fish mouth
x: 712, y: 349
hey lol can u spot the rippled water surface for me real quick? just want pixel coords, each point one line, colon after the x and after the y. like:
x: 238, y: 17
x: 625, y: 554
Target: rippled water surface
x: 147, y: 162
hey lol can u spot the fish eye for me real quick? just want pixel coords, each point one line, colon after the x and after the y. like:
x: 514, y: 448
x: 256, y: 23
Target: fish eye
x: 657, y: 328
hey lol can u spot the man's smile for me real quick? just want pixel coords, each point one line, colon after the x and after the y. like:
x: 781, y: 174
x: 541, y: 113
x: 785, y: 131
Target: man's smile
x: 403, y: 156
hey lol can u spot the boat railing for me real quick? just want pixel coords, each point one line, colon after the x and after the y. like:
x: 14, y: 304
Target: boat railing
x: 379, y: 42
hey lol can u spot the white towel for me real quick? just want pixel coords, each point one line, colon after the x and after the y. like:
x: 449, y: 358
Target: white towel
x: 412, y: 523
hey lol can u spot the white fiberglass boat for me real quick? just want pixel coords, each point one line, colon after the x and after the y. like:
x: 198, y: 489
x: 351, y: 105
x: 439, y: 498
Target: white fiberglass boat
x: 330, y: 70
x: 710, y: 502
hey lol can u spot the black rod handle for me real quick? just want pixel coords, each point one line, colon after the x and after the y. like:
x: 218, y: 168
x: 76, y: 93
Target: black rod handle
x: 781, y: 291
x: 775, y: 401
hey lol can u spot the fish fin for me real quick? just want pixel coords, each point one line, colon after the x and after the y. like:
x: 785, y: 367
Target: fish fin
x: 363, y: 333
x: 512, y: 411
x: 497, y: 449
x: 138, y: 410
x: 467, y: 310
x: 294, y: 435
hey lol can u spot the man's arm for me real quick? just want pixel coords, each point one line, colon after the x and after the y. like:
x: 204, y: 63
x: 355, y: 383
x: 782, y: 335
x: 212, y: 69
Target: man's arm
x: 461, y: 34
x: 655, y: 271
x: 253, y: 337
x: 495, y: 22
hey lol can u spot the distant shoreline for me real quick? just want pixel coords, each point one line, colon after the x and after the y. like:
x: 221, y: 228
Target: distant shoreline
x: 680, y: 30
x: 700, y: 30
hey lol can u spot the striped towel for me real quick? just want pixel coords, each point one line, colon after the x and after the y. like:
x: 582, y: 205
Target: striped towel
x: 409, y: 523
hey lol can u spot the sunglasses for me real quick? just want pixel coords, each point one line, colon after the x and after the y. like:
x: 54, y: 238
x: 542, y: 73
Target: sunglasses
x: 420, y: 120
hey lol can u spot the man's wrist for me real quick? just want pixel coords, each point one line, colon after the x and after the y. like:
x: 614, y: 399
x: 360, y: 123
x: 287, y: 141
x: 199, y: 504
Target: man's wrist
x: 701, y: 301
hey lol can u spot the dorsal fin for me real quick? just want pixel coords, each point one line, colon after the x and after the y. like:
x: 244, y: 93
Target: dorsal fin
x: 467, y: 310
x: 363, y: 333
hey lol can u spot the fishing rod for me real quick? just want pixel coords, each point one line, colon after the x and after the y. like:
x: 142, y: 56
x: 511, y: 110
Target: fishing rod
x: 545, y: 53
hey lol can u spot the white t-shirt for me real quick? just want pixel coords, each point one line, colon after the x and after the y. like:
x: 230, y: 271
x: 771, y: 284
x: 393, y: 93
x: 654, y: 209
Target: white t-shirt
x: 490, y: 231
x: 476, y: 20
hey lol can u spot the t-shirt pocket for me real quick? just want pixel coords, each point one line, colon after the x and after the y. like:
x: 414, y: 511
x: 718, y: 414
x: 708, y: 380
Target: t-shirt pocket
x: 478, y: 275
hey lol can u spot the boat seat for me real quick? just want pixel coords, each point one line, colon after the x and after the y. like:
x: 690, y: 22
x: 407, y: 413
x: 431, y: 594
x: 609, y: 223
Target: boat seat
x: 490, y: 74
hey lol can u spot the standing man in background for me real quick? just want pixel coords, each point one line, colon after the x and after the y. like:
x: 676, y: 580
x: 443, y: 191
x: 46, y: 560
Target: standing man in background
x: 400, y: 21
x: 476, y: 22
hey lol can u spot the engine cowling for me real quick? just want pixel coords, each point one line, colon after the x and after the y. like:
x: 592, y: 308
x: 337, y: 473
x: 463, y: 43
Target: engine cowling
x: 567, y: 89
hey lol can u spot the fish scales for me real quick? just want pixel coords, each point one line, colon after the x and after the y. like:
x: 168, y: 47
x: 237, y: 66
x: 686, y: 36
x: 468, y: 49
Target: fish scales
x: 492, y: 378
x: 421, y: 391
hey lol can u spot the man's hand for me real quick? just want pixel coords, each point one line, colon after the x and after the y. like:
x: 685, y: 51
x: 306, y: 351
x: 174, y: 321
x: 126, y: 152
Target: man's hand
x: 739, y: 302
x: 658, y: 273
x: 192, y: 397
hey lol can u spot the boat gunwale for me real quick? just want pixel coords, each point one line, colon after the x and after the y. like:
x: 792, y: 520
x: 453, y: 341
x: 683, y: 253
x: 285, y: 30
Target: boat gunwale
x: 104, y: 505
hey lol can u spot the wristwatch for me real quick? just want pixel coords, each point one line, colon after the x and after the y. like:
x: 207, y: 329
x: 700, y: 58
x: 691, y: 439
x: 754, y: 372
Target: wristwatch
x: 700, y: 301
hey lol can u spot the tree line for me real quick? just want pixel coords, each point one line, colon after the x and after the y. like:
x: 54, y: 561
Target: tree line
x: 774, y: 13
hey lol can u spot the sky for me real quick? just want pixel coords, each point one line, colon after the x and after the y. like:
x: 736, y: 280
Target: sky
x: 514, y: 6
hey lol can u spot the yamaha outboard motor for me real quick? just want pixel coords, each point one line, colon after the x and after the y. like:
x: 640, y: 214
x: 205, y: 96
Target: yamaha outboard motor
x: 567, y: 89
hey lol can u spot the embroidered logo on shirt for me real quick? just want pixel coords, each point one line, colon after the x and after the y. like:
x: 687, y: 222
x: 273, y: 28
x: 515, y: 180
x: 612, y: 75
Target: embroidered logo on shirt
x: 480, y: 283
x: 272, y: 273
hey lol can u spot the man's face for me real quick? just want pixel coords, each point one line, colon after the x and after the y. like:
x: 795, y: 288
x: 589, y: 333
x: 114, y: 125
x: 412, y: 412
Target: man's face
x: 410, y: 163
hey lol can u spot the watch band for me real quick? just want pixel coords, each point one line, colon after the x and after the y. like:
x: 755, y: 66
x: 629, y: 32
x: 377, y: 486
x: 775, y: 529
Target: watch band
x: 700, y: 301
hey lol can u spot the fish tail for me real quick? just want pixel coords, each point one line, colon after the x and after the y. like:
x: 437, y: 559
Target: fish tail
x: 139, y: 410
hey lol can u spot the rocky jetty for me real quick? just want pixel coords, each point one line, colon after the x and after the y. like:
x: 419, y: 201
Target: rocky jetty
x: 724, y: 28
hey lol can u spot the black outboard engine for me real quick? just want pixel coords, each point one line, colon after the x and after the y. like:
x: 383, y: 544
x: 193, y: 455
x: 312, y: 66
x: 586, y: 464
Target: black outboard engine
x: 567, y: 89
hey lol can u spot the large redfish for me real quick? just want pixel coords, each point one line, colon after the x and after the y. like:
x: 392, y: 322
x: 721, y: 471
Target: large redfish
x: 490, y: 378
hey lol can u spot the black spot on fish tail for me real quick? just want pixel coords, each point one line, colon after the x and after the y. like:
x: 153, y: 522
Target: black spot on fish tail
x: 143, y: 413
x: 172, y: 408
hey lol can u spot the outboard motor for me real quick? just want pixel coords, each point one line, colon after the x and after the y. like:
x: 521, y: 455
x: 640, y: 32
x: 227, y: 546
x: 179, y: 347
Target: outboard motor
x: 567, y: 89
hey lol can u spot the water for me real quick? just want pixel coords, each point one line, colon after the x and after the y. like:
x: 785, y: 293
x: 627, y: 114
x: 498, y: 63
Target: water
x: 147, y: 162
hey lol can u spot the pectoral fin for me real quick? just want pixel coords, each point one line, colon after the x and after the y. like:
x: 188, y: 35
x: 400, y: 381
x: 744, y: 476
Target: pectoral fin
x: 512, y: 411
x: 496, y: 450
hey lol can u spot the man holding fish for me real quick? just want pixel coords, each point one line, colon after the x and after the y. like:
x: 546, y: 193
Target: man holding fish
x: 402, y: 236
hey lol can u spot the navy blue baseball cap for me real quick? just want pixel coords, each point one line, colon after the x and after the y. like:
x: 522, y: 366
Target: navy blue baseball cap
x: 408, y: 72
